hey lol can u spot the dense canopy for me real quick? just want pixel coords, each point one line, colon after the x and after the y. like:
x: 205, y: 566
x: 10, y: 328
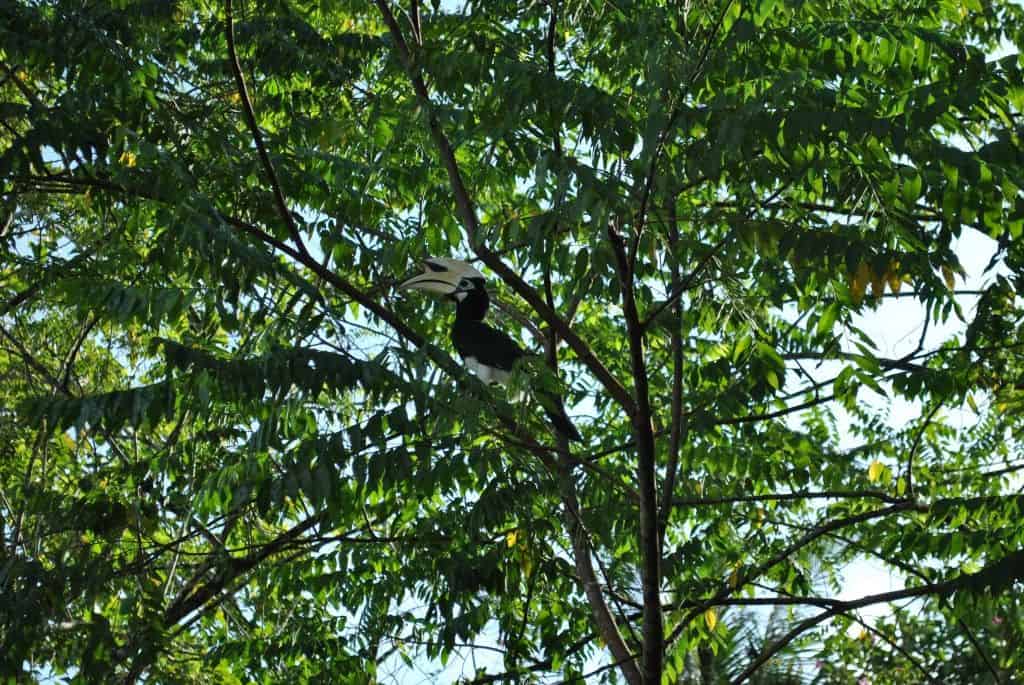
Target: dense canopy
x: 231, y: 451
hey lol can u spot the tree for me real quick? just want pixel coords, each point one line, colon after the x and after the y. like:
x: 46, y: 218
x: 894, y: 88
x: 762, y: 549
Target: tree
x: 233, y: 453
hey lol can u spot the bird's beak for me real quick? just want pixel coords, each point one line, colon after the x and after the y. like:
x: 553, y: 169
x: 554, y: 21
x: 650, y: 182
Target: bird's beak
x: 441, y: 275
x: 434, y: 282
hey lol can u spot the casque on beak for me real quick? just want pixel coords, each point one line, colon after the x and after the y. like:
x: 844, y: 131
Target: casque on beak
x: 441, y: 275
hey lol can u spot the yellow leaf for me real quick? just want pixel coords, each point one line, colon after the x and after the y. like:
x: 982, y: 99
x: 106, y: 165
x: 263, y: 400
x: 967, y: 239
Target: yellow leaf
x: 235, y: 98
x: 127, y: 158
x: 949, y: 277
x: 859, y: 282
x: 526, y: 564
x: 895, y: 282
x: 511, y: 537
x: 711, y: 619
x: 892, y: 276
x: 875, y: 471
x: 734, y: 578
x: 971, y: 403
x: 877, y: 284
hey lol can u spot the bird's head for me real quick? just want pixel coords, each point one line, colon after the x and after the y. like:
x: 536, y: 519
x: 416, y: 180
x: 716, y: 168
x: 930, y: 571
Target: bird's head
x: 450, y: 277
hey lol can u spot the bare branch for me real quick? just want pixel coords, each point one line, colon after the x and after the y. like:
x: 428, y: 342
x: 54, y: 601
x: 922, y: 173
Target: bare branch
x: 603, y: 619
x: 840, y: 606
x: 805, y: 540
x: 788, y: 496
x: 753, y: 418
x: 917, y: 444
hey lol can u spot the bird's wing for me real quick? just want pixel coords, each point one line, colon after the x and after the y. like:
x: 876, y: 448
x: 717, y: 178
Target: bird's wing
x: 494, y: 348
x: 488, y: 345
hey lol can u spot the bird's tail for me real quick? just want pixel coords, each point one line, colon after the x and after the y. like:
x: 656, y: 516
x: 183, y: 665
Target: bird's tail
x: 555, y: 410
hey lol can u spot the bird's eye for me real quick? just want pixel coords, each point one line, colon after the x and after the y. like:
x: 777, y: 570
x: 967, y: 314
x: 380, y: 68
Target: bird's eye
x: 464, y: 283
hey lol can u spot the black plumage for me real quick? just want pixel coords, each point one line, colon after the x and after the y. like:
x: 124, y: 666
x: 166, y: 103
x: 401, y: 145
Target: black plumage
x: 486, y: 344
x: 473, y: 339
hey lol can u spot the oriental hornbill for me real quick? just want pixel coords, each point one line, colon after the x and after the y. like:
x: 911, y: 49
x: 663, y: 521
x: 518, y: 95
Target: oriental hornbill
x: 486, y: 351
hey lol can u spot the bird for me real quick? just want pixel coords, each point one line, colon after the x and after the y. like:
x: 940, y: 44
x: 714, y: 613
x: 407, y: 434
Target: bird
x: 488, y: 352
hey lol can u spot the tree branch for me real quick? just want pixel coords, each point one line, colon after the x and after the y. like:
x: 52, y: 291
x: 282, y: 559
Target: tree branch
x: 648, y: 184
x: 908, y: 568
x: 688, y: 282
x: 545, y: 664
x: 752, y: 418
x: 917, y: 445
x: 643, y: 432
x: 677, y: 421
x: 193, y: 597
x: 788, y: 496
x: 250, y: 118
x: 604, y: 621
x: 414, y: 21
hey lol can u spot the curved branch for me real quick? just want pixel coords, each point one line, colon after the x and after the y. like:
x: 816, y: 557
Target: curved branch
x: 912, y: 570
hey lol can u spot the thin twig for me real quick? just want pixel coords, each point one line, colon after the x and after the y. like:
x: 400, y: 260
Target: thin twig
x: 257, y: 136
x: 679, y: 424
x: 788, y: 496
x: 917, y: 444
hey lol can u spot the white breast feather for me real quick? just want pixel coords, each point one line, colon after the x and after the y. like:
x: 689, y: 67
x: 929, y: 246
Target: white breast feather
x: 488, y: 374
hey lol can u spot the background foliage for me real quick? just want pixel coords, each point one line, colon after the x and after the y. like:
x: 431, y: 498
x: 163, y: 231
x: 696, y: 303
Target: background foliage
x: 231, y: 453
